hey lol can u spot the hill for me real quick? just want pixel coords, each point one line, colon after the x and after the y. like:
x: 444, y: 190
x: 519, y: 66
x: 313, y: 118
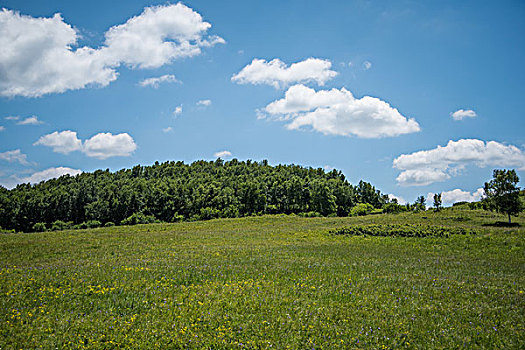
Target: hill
x: 175, y: 191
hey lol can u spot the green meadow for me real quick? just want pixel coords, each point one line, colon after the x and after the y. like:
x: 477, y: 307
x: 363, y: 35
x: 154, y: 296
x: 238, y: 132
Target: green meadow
x: 267, y: 282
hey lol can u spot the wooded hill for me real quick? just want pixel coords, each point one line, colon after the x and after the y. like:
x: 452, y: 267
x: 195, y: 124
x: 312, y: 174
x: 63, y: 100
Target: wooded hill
x: 175, y: 191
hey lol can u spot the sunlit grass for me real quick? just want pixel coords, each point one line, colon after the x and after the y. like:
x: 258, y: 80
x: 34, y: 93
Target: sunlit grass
x: 265, y: 282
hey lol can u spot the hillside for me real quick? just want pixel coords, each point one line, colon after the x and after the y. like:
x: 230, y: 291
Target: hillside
x: 266, y: 282
x: 175, y: 191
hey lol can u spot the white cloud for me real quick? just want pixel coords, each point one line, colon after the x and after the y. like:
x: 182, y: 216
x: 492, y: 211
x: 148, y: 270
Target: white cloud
x: 30, y: 121
x: 457, y: 195
x: 222, y: 154
x: 328, y: 168
x: 177, y: 110
x: 12, y: 117
x: 439, y: 164
x: 204, y: 103
x: 40, y: 55
x: 39, y: 176
x: 400, y: 200
x: 461, y: 114
x: 277, y: 74
x: 159, y: 35
x: 63, y: 142
x: 156, y: 81
x: 14, y: 156
x: 338, y: 112
x: 2, y: 128
x: 101, y: 146
x: 367, y: 65
x: 106, y: 145
x: 168, y: 129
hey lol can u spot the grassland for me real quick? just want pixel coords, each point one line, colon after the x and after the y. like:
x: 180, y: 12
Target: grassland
x: 266, y: 282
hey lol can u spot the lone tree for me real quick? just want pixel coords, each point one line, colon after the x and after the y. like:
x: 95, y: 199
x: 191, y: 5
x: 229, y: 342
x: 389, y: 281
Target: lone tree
x: 437, y: 202
x: 502, y: 193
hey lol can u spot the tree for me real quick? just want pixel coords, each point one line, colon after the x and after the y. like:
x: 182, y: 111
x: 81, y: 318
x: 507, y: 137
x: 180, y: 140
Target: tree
x: 419, y: 205
x: 502, y: 193
x: 437, y: 201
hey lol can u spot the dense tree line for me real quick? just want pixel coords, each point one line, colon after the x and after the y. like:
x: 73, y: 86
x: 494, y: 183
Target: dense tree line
x: 174, y: 191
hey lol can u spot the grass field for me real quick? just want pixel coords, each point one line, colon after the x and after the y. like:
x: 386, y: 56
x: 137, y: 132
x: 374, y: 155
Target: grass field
x: 266, y: 282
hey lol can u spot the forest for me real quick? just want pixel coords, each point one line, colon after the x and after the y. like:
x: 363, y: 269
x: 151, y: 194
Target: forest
x: 175, y: 191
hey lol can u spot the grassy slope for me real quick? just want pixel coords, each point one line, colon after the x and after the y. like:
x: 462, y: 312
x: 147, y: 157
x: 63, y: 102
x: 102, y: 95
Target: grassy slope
x: 264, y: 282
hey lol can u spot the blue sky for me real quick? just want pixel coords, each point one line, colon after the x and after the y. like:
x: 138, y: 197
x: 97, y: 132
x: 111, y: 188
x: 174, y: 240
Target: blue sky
x: 414, y: 97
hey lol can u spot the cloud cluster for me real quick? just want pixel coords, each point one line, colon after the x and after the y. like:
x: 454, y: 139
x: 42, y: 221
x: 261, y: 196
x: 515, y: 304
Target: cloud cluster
x: 457, y: 195
x: 425, y: 167
x: 156, y: 81
x: 14, y: 156
x: 40, y: 55
x: 277, y: 74
x: 101, y: 146
x: 338, y: 112
x: 461, y: 114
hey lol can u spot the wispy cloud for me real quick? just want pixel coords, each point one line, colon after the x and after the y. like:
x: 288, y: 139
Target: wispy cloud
x: 14, y: 156
x: 30, y: 121
x: 156, y: 81
x: 461, y: 114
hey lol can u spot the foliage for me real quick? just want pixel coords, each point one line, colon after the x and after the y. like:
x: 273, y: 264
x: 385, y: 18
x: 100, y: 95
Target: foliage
x: 175, y: 191
x: 503, y: 194
x: 361, y: 209
x: 394, y: 208
x: 138, y: 218
x: 437, y: 202
x: 39, y: 227
x: 406, y: 230
x: 269, y: 282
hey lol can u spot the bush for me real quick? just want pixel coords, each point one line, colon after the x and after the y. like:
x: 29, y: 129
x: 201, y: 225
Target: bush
x: 361, y: 209
x: 39, y: 227
x: 401, y: 231
x: 229, y: 212
x: 177, y: 218
x: 60, y: 225
x: 139, y: 218
x: 208, y: 213
x: 109, y: 224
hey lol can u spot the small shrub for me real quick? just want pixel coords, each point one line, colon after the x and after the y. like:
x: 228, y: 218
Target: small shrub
x: 208, y: 213
x: 109, y: 224
x: 93, y: 223
x: 310, y: 214
x: 60, y: 225
x: 39, y: 227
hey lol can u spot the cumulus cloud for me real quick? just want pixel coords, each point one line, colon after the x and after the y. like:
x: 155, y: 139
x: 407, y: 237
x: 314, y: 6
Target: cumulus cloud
x: 277, y: 74
x: 338, y: 112
x: 367, y: 65
x: 106, y: 145
x: 14, y: 156
x: 101, y: 146
x: 156, y: 81
x: 30, y: 121
x: 204, y: 103
x: 457, y: 195
x: 222, y: 154
x: 461, y: 114
x: 40, y: 55
x: 39, y: 176
x: 439, y: 164
x: 63, y: 142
